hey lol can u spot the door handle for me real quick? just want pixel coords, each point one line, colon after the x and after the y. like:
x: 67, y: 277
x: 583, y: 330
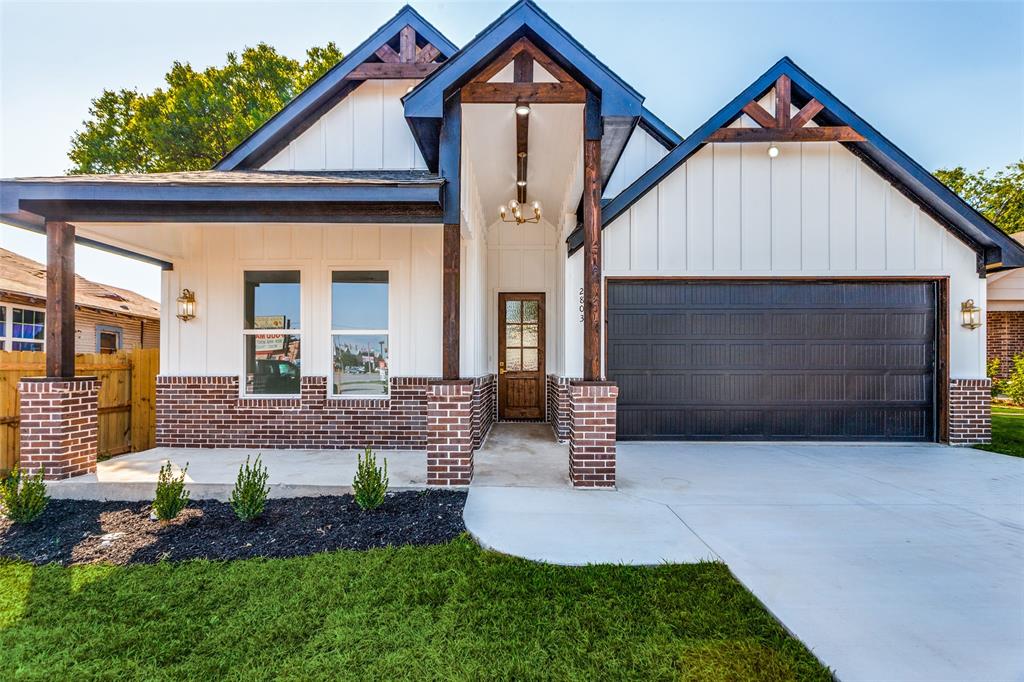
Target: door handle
x: 501, y: 368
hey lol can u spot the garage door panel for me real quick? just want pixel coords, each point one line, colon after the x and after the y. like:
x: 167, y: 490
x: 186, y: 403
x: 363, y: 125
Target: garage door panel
x: 773, y: 360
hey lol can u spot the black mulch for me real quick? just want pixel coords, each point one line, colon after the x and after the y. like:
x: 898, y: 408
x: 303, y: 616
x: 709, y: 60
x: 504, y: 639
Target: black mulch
x: 84, y: 531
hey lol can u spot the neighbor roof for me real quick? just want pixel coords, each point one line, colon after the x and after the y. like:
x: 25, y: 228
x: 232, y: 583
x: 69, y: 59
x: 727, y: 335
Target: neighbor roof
x: 25, y: 277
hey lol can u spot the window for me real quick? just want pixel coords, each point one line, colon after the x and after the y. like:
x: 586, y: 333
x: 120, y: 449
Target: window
x: 21, y: 328
x: 359, y: 333
x: 108, y: 339
x: 272, y: 333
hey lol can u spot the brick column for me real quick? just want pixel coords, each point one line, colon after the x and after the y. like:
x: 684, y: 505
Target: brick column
x: 970, y: 411
x: 58, y: 426
x: 450, y: 432
x: 592, y: 433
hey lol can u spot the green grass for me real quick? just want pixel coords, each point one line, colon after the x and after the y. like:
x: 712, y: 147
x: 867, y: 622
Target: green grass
x: 1007, y: 431
x: 420, y: 613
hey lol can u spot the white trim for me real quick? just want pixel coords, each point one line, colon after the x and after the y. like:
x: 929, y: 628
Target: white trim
x: 7, y: 327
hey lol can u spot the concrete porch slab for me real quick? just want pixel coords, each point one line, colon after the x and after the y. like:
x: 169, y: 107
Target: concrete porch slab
x: 212, y: 473
x: 522, y: 454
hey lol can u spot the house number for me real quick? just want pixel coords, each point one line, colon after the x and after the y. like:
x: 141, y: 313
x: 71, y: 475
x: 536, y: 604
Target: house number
x: 581, y: 304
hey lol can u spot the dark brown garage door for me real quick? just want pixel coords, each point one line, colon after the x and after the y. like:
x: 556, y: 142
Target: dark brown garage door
x: 773, y: 360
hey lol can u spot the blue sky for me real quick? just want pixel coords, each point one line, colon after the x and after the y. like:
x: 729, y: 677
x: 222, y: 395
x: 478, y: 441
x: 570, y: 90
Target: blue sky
x: 943, y: 80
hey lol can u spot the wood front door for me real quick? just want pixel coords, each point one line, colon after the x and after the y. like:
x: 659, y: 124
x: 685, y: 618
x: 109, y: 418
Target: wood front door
x: 521, y: 356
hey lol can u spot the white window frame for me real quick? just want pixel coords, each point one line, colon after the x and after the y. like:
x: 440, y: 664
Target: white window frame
x: 332, y: 332
x: 7, y: 337
x: 255, y: 332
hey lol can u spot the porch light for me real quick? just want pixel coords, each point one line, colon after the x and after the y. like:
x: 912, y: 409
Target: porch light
x: 970, y: 314
x: 520, y: 183
x: 515, y: 210
x: 773, y: 151
x: 186, y: 305
x: 522, y: 110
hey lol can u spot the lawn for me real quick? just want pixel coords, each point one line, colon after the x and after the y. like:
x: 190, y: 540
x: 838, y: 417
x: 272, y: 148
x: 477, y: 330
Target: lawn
x: 451, y: 611
x: 1007, y: 431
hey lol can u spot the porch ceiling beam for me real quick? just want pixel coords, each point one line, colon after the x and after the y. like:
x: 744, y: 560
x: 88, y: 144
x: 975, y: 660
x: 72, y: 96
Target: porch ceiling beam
x: 522, y: 73
x: 819, y: 134
x: 60, y: 300
x: 529, y: 93
x: 391, y: 71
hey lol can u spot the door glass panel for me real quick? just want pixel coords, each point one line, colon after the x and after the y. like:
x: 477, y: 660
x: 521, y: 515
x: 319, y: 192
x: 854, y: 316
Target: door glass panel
x: 513, y: 336
x: 530, y: 359
x: 530, y: 311
x: 513, y: 311
x: 530, y: 335
x: 513, y: 360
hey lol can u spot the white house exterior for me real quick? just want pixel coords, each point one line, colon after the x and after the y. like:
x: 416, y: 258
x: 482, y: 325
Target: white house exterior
x: 783, y: 273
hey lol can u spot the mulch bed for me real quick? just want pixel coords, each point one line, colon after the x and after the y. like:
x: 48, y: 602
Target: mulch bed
x: 84, y: 531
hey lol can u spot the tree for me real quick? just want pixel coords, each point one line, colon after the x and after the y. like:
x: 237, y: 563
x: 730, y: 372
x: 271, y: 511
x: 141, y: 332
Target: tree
x: 999, y: 197
x: 197, y: 118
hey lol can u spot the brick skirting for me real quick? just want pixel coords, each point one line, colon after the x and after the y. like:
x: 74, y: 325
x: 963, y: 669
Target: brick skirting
x: 592, y: 433
x: 450, y: 432
x: 59, y: 426
x: 484, y: 407
x: 1005, y: 338
x: 558, y: 405
x: 970, y: 411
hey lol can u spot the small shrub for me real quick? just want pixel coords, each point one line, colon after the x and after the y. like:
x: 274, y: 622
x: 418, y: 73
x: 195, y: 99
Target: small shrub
x: 249, y: 498
x: 23, y: 496
x: 171, y: 496
x: 371, y: 483
x: 1014, y: 388
x: 992, y: 371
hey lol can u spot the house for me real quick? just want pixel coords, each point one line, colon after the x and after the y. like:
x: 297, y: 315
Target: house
x: 107, y: 318
x: 1005, y: 319
x: 785, y: 272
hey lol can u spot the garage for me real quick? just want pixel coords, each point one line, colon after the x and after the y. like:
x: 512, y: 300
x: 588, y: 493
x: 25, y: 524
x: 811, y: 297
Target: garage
x: 773, y: 359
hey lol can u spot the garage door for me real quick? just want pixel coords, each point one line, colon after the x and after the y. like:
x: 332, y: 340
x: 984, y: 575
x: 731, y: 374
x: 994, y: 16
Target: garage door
x: 773, y: 360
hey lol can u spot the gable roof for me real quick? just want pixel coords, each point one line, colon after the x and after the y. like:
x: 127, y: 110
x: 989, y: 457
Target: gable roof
x: 994, y: 246
x: 26, y: 277
x: 327, y: 91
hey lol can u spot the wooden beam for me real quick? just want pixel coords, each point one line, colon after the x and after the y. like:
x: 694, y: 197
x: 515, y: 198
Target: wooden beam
x: 451, y: 267
x: 407, y: 45
x: 511, y: 93
x: 804, y: 116
x: 821, y: 134
x: 60, y: 300
x: 783, y: 99
x: 759, y: 114
x: 428, y: 53
x: 522, y: 73
x: 385, y: 70
x: 592, y: 260
x: 522, y: 69
x: 520, y: 46
x: 387, y: 54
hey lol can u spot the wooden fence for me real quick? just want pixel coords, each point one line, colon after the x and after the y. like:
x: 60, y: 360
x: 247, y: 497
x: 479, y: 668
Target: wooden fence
x: 127, y: 400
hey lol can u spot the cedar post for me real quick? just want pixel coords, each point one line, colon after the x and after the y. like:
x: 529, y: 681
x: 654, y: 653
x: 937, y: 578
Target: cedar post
x: 592, y: 244
x: 452, y: 266
x: 60, y: 300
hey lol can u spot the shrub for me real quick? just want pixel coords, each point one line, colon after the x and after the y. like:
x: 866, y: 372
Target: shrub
x: 249, y: 497
x: 1014, y: 386
x: 992, y: 371
x: 370, y: 484
x: 23, y: 496
x: 171, y: 496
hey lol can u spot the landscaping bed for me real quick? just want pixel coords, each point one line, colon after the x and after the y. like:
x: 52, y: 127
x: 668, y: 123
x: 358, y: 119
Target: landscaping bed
x: 84, y: 531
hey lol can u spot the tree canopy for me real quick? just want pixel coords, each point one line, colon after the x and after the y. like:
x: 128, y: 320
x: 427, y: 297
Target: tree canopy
x: 197, y: 118
x: 999, y: 197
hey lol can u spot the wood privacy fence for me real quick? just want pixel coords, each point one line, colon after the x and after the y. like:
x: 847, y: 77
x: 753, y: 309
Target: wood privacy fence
x: 127, y: 405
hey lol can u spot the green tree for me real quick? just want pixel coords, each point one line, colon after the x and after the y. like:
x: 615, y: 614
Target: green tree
x: 198, y: 117
x: 999, y: 197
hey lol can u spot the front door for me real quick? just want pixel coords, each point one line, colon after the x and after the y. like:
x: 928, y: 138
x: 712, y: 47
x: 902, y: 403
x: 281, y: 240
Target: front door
x: 521, y: 356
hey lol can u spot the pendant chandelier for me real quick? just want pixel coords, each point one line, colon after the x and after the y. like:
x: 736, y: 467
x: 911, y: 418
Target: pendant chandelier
x: 515, y: 210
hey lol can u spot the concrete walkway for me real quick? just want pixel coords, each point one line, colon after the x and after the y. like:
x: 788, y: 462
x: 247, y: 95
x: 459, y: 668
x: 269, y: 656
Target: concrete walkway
x: 891, y: 562
x: 212, y: 473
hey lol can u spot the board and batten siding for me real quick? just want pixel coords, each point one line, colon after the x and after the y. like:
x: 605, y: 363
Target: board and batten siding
x: 814, y: 211
x: 641, y: 153
x: 366, y: 130
x: 211, y: 344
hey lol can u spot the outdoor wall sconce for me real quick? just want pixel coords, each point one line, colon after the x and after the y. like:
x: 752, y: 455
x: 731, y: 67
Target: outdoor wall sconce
x: 773, y: 151
x: 970, y: 314
x: 186, y: 305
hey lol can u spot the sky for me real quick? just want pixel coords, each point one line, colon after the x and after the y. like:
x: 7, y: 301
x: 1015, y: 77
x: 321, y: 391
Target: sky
x: 943, y: 80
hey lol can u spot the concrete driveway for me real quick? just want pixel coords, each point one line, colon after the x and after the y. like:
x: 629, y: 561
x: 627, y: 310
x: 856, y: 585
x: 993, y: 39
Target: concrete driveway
x: 891, y: 562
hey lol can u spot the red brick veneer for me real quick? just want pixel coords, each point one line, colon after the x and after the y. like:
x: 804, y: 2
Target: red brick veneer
x: 483, y: 407
x: 592, y: 433
x: 970, y: 411
x: 558, y: 405
x: 1005, y: 336
x: 450, y: 432
x: 59, y: 425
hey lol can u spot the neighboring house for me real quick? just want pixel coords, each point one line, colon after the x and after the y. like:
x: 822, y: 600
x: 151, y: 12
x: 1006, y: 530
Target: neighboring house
x: 107, y: 319
x: 786, y: 272
x: 1005, y: 319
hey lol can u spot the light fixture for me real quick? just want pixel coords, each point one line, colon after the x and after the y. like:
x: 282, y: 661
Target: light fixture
x: 515, y: 210
x: 773, y: 151
x: 522, y: 110
x: 970, y: 314
x: 520, y: 183
x: 186, y: 305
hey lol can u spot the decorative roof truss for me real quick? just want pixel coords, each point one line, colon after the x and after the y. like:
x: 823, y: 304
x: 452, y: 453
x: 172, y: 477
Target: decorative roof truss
x: 410, y: 60
x: 565, y: 91
x: 784, y: 126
